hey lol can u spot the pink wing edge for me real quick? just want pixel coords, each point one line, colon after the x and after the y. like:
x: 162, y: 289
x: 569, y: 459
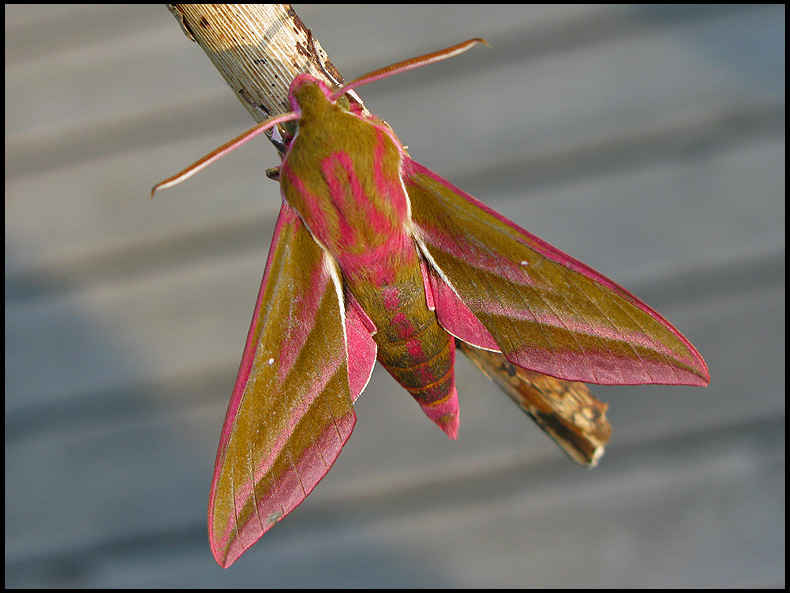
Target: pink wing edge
x: 360, y: 368
x: 458, y: 320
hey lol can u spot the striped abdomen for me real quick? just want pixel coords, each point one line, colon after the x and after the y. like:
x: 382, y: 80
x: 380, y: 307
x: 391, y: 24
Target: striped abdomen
x: 412, y: 346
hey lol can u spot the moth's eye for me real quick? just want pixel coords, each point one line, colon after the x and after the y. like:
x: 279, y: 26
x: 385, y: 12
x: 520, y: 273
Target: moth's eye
x: 344, y: 103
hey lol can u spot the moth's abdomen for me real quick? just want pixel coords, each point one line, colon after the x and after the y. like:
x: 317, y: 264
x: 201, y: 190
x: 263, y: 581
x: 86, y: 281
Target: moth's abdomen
x: 413, y: 348
x: 421, y: 356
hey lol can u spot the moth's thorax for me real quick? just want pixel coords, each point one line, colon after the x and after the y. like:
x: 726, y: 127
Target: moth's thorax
x: 342, y: 174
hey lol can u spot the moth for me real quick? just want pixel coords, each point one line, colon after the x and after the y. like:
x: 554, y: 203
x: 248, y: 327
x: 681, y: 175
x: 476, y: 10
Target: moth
x: 376, y: 257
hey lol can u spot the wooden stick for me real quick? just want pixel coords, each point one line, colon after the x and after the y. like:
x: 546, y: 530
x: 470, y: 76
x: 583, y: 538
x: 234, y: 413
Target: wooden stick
x: 258, y: 49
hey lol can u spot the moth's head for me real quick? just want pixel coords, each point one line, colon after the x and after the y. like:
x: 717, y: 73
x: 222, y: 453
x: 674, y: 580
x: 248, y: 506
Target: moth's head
x: 308, y: 93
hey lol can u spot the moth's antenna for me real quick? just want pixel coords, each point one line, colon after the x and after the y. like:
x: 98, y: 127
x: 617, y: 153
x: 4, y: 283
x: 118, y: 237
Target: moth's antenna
x: 220, y: 152
x: 409, y: 64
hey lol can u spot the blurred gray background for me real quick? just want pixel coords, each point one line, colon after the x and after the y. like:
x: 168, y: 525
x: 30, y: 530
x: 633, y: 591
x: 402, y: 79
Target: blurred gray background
x: 646, y: 141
